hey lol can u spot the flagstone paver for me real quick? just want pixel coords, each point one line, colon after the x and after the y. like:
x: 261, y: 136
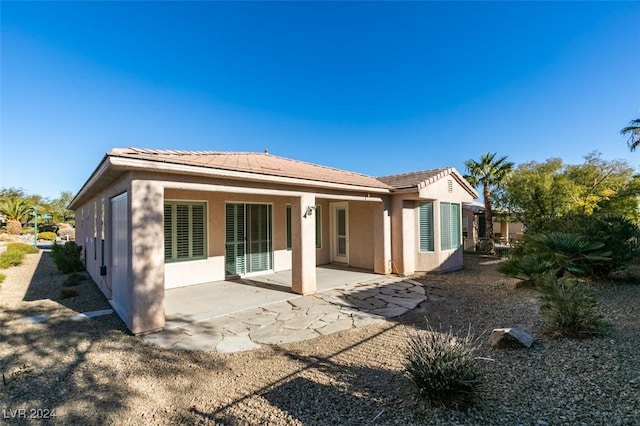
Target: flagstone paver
x: 297, y: 319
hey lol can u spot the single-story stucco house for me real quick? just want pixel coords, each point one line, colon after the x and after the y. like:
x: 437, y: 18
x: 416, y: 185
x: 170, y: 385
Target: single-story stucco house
x: 150, y: 220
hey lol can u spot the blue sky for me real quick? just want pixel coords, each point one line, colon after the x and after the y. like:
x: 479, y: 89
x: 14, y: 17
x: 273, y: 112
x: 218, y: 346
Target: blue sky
x: 377, y: 88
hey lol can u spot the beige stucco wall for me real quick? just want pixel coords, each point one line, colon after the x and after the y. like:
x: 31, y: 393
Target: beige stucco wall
x: 361, y: 231
x: 179, y: 274
x: 142, y: 306
x: 85, y: 231
x: 406, y: 255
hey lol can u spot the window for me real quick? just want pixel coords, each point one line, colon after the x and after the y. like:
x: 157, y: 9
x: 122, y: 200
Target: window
x: 426, y: 226
x: 318, y: 214
x: 185, y: 231
x: 449, y: 226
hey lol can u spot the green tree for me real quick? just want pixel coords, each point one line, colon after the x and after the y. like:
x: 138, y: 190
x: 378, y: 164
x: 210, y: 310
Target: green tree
x: 489, y: 172
x: 598, y: 182
x: 59, y: 208
x: 536, y: 190
x: 632, y: 131
x: 543, y: 191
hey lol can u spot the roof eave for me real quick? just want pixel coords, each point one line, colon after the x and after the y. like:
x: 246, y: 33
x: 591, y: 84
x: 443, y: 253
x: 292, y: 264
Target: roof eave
x: 99, y: 171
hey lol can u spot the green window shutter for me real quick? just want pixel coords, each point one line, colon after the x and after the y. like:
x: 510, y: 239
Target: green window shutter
x: 185, y: 231
x: 445, y: 226
x: 259, y: 237
x: 235, y: 259
x: 318, y: 227
x: 182, y: 231
x: 426, y: 226
x: 198, y: 230
x: 455, y: 226
x: 168, y: 232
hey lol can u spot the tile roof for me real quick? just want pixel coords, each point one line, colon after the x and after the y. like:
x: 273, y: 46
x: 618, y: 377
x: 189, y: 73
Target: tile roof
x: 423, y: 178
x: 252, y: 162
x: 412, y: 179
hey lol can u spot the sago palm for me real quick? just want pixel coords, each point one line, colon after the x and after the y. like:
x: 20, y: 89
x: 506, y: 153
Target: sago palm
x: 489, y: 172
x: 567, y: 252
x: 16, y: 210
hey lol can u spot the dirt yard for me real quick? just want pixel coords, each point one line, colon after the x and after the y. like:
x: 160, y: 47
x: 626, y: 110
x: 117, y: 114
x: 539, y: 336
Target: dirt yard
x: 94, y: 372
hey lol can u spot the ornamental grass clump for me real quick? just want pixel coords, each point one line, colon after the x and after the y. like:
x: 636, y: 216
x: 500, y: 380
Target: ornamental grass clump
x: 443, y: 367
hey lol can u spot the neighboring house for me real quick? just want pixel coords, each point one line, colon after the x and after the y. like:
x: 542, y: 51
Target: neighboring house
x: 474, y: 227
x: 150, y: 220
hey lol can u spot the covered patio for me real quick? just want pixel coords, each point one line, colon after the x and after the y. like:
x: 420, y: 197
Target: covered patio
x: 184, y: 305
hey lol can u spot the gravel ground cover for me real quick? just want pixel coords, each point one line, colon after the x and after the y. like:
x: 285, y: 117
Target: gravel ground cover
x: 94, y: 372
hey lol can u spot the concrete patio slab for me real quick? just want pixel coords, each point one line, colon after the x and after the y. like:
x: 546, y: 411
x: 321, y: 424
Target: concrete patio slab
x: 262, y: 313
x: 189, y: 304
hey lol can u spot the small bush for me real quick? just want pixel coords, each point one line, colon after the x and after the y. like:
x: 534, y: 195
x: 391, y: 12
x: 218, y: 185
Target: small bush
x: 568, y: 307
x: 27, y: 231
x: 67, y: 293
x: 67, y: 257
x: 48, y: 236
x: 15, y: 254
x: 48, y: 227
x: 10, y: 258
x: 74, y: 278
x: 526, y: 268
x: 22, y: 248
x: 2, y: 278
x: 443, y: 367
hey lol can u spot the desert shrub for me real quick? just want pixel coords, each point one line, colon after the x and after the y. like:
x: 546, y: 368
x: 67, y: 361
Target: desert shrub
x: 66, y: 293
x: 10, y: 258
x: 22, y: 248
x: 49, y: 236
x: 619, y: 236
x: 15, y: 254
x: 525, y: 267
x: 48, y: 227
x: 67, y: 257
x: 2, y: 278
x: 27, y: 230
x: 443, y: 367
x: 556, y: 252
x: 569, y: 308
x: 74, y: 278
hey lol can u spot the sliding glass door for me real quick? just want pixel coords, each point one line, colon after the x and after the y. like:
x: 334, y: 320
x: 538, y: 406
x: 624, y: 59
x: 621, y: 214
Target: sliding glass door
x: 249, y: 245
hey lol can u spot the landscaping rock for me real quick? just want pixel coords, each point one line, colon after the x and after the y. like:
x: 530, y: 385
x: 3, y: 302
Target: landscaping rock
x: 510, y: 338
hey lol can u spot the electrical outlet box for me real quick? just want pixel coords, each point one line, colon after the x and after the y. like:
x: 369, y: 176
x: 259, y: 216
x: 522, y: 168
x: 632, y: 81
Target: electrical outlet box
x: 103, y: 271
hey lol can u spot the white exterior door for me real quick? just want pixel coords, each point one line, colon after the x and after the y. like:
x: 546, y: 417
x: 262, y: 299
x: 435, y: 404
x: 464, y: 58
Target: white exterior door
x: 340, y: 233
x: 120, y: 255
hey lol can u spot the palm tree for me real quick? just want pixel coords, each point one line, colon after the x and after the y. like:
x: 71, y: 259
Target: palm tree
x: 16, y: 210
x: 633, y: 132
x: 489, y: 173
